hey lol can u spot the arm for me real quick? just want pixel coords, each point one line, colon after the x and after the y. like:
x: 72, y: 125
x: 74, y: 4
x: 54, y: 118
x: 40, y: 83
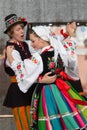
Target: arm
x: 26, y: 71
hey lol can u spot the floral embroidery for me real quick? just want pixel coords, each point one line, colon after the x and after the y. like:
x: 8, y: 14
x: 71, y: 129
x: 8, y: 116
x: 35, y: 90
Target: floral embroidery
x: 34, y: 60
x: 55, y: 67
x: 70, y: 44
x: 21, y: 75
x: 18, y: 66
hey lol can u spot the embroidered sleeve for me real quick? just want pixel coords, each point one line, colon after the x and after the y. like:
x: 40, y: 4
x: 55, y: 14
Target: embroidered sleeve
x: 26, y: 71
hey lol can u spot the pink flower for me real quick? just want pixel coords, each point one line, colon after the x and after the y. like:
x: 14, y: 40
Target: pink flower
x: 35, y: 102
x: 70, y: 44
x: 35, y: 61
x: 21, y: 76
x: 11, y: 21
x: 52, y: 65
x: 65, y: 46
x: 72, y: 52
x: 18, y: 67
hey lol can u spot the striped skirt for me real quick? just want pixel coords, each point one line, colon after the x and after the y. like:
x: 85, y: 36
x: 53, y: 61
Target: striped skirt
x: 22, y: 116
x: 57, y: 107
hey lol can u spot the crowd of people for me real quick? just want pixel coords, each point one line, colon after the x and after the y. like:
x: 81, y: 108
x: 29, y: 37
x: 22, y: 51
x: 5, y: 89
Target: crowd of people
x: 45, y: 91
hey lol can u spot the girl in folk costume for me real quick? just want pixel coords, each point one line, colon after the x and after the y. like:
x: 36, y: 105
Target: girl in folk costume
x: 54, y: 106
x: 68, y: 38
x: 15, y: 98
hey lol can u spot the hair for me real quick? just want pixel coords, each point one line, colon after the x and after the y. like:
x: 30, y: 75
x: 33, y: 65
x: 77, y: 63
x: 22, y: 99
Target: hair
x: 30, y: 31
x: 85, y: 42
x: 11, y: 29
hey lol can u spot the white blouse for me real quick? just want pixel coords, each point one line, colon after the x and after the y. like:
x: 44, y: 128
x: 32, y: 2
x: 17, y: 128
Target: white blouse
x: 26, y: 71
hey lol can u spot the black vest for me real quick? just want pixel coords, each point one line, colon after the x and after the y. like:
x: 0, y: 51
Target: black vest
x: 24, y: 53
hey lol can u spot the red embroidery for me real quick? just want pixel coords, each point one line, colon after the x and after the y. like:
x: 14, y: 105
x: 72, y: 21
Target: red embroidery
x: 18, y: 67
x: 70, y: 44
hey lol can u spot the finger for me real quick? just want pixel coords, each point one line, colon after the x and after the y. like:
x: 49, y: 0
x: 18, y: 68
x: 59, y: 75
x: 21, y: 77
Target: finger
x: 48, y: 73
x: 52, y: 76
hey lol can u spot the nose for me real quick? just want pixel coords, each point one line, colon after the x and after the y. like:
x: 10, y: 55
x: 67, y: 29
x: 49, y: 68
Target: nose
x: 22, y: 30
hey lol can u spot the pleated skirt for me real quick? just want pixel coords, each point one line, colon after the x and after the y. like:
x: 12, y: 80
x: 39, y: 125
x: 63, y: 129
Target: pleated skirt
x: 52, y: 109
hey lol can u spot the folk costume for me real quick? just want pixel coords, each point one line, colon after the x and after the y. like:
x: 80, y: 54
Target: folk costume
x: 70, y: 49
x: 54, y: 106
x: 15, y: 98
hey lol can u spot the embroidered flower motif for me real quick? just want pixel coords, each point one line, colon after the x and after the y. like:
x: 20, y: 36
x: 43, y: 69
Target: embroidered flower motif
x: 34, y: 60
x: 55, y: 67
x: 51, y: 65
x: 57, y: 70
x: 21, y: 75
x: 70, y: 44
x: 65, y: 46
x: 11, y: 21
x: 72, y: 52
x: 18, y: 66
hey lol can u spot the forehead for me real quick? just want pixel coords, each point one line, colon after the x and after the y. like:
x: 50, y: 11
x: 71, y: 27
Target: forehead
x: 17, y: 26
x: 32, y: 36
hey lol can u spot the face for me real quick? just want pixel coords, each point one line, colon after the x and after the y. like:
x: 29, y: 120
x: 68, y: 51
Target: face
x: 18, y: 33
x: 37, y: 43
x: 71, y: 26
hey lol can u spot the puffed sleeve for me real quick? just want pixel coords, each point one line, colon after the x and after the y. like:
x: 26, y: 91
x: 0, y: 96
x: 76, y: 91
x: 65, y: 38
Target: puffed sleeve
x: 69, y: 61
x: 26, y: 71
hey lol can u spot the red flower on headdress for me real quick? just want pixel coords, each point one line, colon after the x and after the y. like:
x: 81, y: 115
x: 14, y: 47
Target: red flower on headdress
x: 21, y: 19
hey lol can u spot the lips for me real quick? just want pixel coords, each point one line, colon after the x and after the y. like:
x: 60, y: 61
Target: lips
x: 22, y: 36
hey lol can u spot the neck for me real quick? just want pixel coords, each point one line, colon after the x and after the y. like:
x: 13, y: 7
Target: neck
x: 15, y: 41
x: 45, y: 44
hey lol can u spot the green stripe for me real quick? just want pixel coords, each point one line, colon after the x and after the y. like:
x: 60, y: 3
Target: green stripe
x: 20, y: 119
x: 28, y: 120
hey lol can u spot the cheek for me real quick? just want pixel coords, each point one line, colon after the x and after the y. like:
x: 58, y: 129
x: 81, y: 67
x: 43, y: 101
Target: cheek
x: 16, y: 35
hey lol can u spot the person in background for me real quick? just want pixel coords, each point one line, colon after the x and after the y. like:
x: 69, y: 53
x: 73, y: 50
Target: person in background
x: 68, y: 39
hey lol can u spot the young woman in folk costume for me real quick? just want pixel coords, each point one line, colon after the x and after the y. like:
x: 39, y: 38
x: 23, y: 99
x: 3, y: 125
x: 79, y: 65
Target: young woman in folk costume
x: 54, y: 106
x: 15, y: 98
x: 68, y: 38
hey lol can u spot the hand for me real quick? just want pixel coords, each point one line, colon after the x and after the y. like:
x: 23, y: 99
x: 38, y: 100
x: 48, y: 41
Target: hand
x: 9, y: 50
x: 2, y: 56
x: 9, y: 53
x: 48, y: 79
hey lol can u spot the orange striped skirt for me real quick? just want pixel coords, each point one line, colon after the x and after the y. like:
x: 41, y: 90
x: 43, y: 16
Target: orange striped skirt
x: 22, y: 116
